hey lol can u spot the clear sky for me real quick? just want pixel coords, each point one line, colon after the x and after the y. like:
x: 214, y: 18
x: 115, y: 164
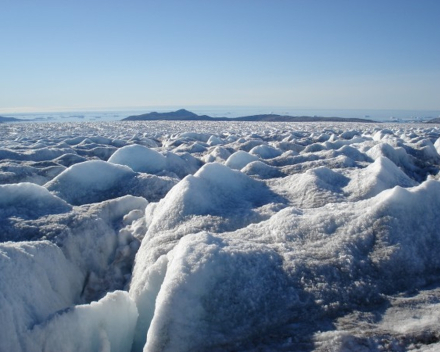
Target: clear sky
x: 338, y: 54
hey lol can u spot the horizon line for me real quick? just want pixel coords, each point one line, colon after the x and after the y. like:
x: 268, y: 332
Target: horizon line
x: 59, y: 109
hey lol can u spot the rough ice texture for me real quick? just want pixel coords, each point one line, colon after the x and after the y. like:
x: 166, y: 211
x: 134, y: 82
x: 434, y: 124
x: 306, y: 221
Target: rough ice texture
x: 239, y: 236
x: 84, y: 260
x: 316, y: 263
x: 381, y: 175
x: 106, y: 325
x: 36, y: 281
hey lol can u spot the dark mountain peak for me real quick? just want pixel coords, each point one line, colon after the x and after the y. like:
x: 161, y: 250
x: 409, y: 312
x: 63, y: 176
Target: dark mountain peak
x: 184, y: 112
x: 9, y: 119
x: 435, y: 120
x: 185, y: 115
x: 180, y: 114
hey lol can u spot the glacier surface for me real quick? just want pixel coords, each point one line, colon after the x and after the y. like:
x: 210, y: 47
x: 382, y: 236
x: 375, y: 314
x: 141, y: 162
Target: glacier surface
x: 219, y: 236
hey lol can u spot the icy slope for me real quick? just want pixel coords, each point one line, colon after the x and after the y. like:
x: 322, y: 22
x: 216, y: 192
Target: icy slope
x: 296, y: 267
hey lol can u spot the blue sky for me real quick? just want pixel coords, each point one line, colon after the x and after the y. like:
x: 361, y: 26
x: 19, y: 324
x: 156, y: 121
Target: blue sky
x: 339, y: 54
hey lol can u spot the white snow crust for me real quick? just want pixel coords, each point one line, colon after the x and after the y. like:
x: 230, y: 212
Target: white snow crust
x: 219, y: 236
x: 139, y: 158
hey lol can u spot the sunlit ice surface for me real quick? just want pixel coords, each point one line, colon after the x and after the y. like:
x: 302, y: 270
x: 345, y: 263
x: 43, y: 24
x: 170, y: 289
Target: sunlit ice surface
x: 219, y: 236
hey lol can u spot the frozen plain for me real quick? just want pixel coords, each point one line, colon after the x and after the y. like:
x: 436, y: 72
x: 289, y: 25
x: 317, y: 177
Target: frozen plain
x: 219, y: 236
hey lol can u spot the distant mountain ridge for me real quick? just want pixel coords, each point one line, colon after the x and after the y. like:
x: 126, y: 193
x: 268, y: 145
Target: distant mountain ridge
x: 9, y: 119
x: 181, y: 114
x: 435, y: 120
x: 185, y: 115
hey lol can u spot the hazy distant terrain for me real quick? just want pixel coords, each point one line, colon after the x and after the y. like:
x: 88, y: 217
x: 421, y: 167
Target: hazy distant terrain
x: 185, y: 115
x: 436, y: 120
x: 9, y: 119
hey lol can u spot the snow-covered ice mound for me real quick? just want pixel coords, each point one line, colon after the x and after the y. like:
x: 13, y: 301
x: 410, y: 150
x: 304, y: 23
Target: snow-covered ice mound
x: 222, y: 291
x: 215, y: 198
x: 313, y: 188
x: 259, y: 169
x: 29, y: 171
x: 140, y: 159
x: 90, y: 181
x: 29, y: 201
x: 265, y: 151
x: 381, y: 175
x: 224, y: 288
x: 240, y: 159
x: 96, y: 180
x: 219, y: 236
